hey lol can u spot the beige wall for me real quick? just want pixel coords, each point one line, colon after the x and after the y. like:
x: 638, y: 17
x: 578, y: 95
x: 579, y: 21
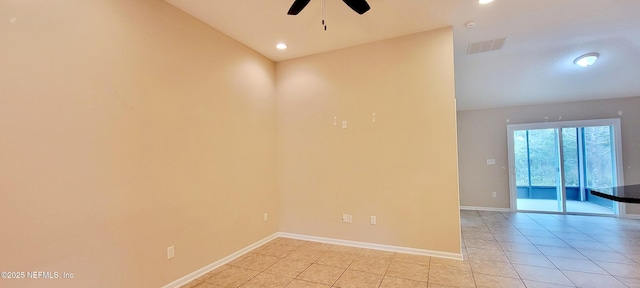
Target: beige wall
x: 401, y: 168
x: 482, y: 134
x: 126, y: 127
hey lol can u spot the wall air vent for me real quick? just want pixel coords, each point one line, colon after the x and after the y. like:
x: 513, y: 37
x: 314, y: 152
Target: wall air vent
x: 485, y: 46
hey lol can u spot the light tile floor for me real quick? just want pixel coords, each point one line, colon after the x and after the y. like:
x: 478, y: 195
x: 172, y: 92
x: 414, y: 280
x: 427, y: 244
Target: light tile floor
x: 500, y: 249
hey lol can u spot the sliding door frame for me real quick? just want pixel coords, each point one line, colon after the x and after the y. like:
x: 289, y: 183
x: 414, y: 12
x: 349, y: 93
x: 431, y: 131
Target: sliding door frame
x: 619, y: 208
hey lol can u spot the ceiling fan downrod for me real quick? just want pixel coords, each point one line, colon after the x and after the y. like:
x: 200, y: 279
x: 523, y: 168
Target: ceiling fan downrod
x: 324, y: 15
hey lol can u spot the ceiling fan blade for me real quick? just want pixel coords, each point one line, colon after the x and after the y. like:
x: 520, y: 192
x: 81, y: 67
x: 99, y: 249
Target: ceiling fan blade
x: 297, y: 6
x: 360, y: 6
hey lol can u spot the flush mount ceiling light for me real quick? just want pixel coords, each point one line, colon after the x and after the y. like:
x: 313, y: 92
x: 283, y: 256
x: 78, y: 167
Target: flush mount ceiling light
x: 586, y: 60
x: 485, y: 1
x: 281, y: 46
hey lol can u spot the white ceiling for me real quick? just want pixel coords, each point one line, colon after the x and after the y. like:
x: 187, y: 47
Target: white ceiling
x: 534, y: 66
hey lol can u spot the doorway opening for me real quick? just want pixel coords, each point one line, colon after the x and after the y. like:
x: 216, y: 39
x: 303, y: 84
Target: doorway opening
x: 554, y: 165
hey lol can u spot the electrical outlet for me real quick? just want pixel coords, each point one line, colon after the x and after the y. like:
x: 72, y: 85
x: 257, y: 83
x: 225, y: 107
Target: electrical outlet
x: 374, y: 220
x: 170, y: 252
x: 347, y: 218
x: 494, y: 194
x: 266, y: 217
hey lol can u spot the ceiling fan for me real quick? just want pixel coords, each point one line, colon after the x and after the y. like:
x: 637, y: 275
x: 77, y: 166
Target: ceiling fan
x: 360, y: 6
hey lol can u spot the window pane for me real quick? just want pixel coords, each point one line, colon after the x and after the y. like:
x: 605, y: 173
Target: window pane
x: 599, y: 157
x: 543, y: 157
x: 521, y: 157
x: 570, y: 150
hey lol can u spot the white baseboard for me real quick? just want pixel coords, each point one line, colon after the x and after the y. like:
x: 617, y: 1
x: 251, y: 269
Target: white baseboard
x: 631, y: 216
x: 206, y: 269
x: 374, y: 246
x: 492, y: 209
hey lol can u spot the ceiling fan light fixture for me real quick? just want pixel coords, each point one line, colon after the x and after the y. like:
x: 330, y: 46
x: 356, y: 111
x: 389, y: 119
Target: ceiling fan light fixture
x: 586, y: 60
x: 281, y: 46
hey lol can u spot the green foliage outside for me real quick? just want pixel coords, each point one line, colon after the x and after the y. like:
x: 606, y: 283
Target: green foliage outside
x: 537, y: 154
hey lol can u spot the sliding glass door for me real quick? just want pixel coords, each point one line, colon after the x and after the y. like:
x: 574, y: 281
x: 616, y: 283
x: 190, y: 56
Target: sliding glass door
x: 554, y: 166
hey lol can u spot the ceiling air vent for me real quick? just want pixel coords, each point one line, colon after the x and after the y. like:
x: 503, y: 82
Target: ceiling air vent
x: 485, y: 46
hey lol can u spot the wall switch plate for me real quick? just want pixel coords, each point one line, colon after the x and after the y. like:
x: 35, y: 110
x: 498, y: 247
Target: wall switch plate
x: 266, y: 217
x: 494, y: 194
x: 344, y: 124
x: 347, y: 218
x: 374, y: 220
x: 170, y: 252
x: 491, y: 161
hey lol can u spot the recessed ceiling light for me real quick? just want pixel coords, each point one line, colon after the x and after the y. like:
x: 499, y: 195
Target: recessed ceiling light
x: 485, y: 1
x: 586, y: 60
x: 470, y: 24
x: 281, y: 46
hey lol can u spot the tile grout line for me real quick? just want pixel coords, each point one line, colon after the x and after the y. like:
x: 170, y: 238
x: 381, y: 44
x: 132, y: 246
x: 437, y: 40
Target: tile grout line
x: 492, y: 223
